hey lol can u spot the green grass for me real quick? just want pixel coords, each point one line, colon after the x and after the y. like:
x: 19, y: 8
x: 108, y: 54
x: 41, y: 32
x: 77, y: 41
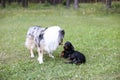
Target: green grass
x: 91, y: 29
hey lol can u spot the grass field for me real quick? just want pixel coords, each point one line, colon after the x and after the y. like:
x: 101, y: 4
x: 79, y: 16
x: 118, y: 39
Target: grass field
x: 92, y: 29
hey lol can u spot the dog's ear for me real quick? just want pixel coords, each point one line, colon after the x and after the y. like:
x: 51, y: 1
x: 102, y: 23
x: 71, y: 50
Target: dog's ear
x: 61, y: 36
x: 72, y: 47
x: 62, y: 32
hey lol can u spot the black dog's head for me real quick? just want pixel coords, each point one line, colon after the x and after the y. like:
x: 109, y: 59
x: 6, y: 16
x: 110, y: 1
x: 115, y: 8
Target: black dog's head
x: 68, y: 50
x: 68, y: 46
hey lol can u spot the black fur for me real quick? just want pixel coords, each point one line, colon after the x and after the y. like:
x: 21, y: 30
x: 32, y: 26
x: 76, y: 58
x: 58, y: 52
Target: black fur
x: 72, y: 55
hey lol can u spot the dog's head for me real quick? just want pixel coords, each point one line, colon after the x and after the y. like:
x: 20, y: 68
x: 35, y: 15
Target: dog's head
x: 68, y: 46
x: 68, y: 50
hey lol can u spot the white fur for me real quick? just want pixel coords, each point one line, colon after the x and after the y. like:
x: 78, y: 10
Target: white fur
x: 51, y: 38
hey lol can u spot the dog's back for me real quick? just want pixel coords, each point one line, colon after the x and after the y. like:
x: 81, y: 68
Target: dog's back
x: 32, y: 39
x: 78, y: 57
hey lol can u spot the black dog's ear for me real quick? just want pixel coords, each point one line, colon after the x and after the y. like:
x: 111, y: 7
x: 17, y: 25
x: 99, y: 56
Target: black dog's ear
x: 72, y: 47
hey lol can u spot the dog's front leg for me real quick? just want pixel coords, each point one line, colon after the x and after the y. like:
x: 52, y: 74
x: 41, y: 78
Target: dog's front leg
x: 40, y: 56
x: 31, y: 52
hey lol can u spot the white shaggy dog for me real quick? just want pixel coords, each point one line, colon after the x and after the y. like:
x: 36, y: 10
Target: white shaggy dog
x: 47, y: 39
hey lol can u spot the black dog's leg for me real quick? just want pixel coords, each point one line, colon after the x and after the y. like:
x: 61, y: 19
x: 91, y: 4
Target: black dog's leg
x: 69, y: 62
x: 77, y: 61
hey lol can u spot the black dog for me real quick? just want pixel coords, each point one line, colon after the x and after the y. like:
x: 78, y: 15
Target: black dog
x: 74, y: 56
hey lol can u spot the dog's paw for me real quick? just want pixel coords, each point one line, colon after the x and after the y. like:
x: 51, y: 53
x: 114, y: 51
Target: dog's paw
x: 51, y: 56
x: 32, y: 56
x: 68, y: 62
x: 40, y: 60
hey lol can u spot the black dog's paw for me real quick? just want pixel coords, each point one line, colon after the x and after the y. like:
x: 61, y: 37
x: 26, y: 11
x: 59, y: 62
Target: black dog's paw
x: 72, y: 62
x: 68, y: 62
